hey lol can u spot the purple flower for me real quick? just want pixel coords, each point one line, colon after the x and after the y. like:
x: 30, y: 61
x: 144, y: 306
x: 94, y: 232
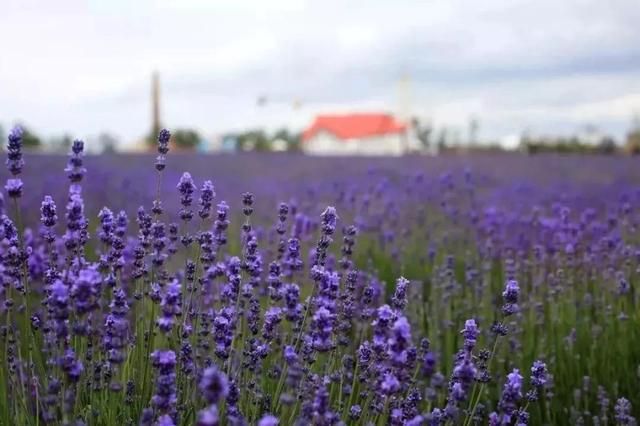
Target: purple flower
x: 15, y: 162
x: 8, y: 229
x: 293, y: 261
x: 165, y: 420
x: 77, y: 224
x: 75, y: 169
x: 385, y: 317
x: 163, y: 149
x: 71, y: 366
x: 14, y: 188
x: 116, y: 327
x: 538, y: 374
x: 399, y: 341
x: 293, y: 309
x: 623, y: 412
x: 354, y: 412
x: 623, y: 285
x: 348, y: 242
x: 213, y: 385
x: 48, y: 215
x: 321, y: 409
x: 164, y: 399
x: 511, y: 292
x: 283, y: 211
x: 207, y: 193
x: 247, y: 203
x: 510, y: 295
x: 146, y: 418
x: 522, y: 417
x: 85, y: 291
x: 470, y: 333
x: 170, y: 306
x: 107, y: 225
x: 399, y: 300
x: 290, y: 355
x: 428, y: 364
x: 221, y: 223
x: 328, y: 227
x: 322, y: 329
x: 511, y: 395
x: 186, y: 188
x: 268, y: 420
x: 415, y: 421
x: 272, y: 318
x: 208, y: 417
x: 389, y: 384
x: 329, y: 220
x: 465, y: 371
x: 457, y: 392
x: 59, y: 304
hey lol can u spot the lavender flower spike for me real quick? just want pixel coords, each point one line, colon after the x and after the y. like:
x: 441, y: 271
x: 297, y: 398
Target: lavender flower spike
x: 15, y: 162
x: 48, y: 212
x: 163, y: 149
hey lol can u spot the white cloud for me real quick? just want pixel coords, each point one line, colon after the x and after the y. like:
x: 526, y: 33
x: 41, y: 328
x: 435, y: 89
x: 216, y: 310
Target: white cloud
x: 85, y: 66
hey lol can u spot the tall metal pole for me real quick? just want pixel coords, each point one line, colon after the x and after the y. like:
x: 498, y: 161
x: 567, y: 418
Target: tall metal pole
x: 155, y: 104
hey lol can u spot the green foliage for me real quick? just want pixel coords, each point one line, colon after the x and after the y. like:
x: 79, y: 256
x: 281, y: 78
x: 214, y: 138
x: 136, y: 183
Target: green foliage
x: 29, y: 139
x: 108, y: 143
x: 424, y: 132
x: 61, y: 144
x: 152, y: 138
x: 633, y: 142
x: 254, y: 140
x: 572, y: 145
x: 186, y: 138
x: 293, y: 139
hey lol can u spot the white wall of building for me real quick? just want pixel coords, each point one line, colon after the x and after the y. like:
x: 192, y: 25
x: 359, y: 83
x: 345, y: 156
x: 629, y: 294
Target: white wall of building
x: 325, y: 143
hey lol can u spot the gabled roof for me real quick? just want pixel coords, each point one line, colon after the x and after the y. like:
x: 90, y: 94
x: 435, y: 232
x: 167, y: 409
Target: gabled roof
x: 351, y: 126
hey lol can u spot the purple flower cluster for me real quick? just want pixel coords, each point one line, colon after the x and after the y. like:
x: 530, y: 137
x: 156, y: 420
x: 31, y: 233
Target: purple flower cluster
x: 15, y: 163
x: 425, y: 312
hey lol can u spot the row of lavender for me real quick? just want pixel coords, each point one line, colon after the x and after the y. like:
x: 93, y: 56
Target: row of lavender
x: 520, y: 307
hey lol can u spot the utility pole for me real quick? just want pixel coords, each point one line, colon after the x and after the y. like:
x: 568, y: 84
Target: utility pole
x: 155, y: 105
x: 474, y: 126
x: 404, y: 108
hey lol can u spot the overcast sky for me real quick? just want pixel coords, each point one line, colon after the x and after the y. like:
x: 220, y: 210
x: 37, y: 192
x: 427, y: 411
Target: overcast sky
x: 548, y: 66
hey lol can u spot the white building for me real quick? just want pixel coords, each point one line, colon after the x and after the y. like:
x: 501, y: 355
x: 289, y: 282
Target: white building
x: 357, y: 134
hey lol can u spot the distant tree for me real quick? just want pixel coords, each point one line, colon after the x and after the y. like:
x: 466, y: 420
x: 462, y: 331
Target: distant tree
x: 230, y: 142
x: 254, y: 140
x: 186, y: 138
x: 292, y: 139
x: 633, y: 137
x: 633, y: 142
x: 107, y: 142
x: 152, y: 137
x: 29, y: 139
x: 474, y: 127
x: 2, y: 138
x: 607, y: 146
x: 283, y: 134
x: 62, y: 143
x: 262, y: 143
x: 424, y: 132
x: 295, y: 143
x: 442, y: 140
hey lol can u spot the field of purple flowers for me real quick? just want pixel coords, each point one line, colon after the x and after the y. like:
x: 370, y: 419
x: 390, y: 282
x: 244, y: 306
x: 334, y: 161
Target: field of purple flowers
x: 286, y: 290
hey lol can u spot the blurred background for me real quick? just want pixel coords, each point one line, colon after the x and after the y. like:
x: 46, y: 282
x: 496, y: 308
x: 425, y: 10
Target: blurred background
x: 323, y: 77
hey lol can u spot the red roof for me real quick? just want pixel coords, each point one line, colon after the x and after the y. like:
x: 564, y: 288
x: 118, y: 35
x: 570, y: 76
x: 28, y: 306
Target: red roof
x: 350, y: 126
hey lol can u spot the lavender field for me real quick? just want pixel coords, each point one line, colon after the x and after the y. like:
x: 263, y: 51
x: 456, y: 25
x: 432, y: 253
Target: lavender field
x: 182, y: 289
